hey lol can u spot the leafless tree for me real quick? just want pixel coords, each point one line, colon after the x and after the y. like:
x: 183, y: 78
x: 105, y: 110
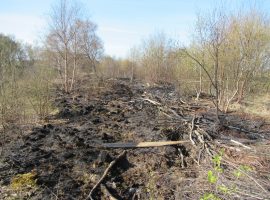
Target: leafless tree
x: 61, y: 34
x: 90, y: 45
x: 210, y: 37
x: 71, y: 39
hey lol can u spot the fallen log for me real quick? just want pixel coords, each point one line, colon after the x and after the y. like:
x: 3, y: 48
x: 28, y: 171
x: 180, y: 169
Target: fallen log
x: 142, y: 144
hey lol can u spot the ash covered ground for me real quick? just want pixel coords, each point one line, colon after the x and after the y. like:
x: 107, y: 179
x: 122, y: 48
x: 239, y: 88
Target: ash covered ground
x: 67, y: 158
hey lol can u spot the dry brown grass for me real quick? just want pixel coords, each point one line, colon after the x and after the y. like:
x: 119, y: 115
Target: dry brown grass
x: 258, y: 105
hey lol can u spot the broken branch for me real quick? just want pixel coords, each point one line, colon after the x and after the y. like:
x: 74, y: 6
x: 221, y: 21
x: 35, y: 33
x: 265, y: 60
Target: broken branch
x: 142, y: 144
x: 122, y: 155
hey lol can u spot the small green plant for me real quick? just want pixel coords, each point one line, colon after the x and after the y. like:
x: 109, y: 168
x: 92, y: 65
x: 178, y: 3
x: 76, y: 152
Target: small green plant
x: 217, y: 161
x: 224, y: 189
x: 239, y: 172
x: 209, y: 196
x: 213, y: 177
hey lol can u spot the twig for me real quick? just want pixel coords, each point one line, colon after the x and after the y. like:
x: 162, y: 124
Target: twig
x: 191, y: 130
x: 200, y: 137
x: 244, y: 131
x: 207, y: 150
x: 50, y: 191
x: 204, y: 132
x: 249, y: 195
x: 153, y: 102
x: 123, y: 154
x: 253, y: 179
x: 239, y: 143
x: 107, y: 192
x: 199, y: 155
x: 182, y: 158
x: 183, y: 102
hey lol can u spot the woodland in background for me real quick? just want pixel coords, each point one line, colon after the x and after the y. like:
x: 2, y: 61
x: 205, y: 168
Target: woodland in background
x: 169, y: 121
x: 227, y: 60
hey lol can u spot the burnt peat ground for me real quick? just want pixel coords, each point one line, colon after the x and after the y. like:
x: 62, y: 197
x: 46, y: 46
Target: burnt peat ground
x: 67, y: 158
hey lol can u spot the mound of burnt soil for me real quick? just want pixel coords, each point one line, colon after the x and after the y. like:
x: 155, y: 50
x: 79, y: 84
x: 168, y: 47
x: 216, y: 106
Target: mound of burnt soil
x: 68, y: 158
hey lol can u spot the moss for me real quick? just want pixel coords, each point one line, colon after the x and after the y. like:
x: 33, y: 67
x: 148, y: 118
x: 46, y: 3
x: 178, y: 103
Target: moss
x: 21, y: 181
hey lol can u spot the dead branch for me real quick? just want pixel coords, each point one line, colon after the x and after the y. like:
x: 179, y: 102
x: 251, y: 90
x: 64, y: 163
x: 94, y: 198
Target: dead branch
x: 107, y: 192
x: 244, y: 130
x: 250, y: 177
x: 142, y: 144
x: 199, y: 136
x: 122, y: 155
x: 182, y: 158
x: 239, y: 143
x: 199, y: 155
x: 152, y: 102
x: 191, y: 130
x: 182, y: 101
x: 164, y: 108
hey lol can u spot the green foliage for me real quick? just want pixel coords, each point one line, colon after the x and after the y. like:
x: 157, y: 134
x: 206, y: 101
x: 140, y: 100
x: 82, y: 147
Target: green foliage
x: 25, y: 84
x: 245, y: 168
x: 12, y: 62
x: 223, y: 189
x: 239, y: 172
x: 39, y: 90
x: 217, y: 161
x: 209, y: 196
x: 211, y: 177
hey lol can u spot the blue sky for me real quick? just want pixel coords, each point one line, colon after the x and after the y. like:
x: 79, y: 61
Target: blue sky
x: 122, y: 24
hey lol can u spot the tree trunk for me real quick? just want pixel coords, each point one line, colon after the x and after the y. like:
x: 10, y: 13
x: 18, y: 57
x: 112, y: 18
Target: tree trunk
x: 241, y: 92
x: 74, y: 63
x: 200, y: 87
x: 66, y: 71
x: 216, y: 85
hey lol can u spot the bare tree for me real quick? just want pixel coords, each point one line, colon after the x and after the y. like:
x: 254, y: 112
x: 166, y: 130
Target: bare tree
x: 71, y: 39
x: 59, y: 40
x: 90, y: 44
x: 210, y: 37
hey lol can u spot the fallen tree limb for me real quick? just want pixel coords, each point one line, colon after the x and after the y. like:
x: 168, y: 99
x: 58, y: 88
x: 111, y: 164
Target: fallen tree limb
x: 239, y: 143
x: 122, y: 155
x: 142, y: 144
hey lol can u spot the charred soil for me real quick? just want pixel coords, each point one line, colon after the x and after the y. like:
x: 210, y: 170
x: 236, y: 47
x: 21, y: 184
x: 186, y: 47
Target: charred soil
x: 67, y: 158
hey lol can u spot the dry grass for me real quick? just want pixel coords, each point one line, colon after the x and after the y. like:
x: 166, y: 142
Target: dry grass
x: 258, y: 105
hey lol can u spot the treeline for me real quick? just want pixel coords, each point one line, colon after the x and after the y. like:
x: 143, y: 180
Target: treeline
x: 227, y: 59
x: 29, y: 75
x: 25, y: 83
